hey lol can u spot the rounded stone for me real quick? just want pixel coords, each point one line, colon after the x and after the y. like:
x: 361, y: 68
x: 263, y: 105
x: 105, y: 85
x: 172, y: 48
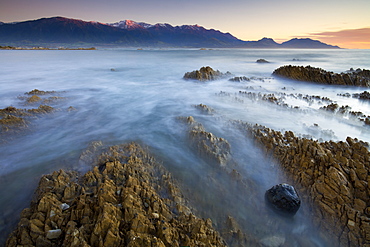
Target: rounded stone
x: 283, y: 198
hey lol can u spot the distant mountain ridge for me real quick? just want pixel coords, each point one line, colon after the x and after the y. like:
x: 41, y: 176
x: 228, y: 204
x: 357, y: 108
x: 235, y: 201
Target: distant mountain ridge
x: 63, y: 31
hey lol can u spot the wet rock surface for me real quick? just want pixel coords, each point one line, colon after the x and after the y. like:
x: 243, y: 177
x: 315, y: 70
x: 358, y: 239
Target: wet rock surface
x: 16, y: 120
x: 334, y: 175
x: 284, y: 199
x: 128, y: 199
x: 209, y: 146
x: 204, y: 74
x: 359, y: 78
x: 365, y: 95
x: 262, y: 61
x: 205, y: 109
x: 240, y: 79
x: 346, y: 111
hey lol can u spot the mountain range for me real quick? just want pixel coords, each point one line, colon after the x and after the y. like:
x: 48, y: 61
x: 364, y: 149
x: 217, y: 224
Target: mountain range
x: 61, y: 31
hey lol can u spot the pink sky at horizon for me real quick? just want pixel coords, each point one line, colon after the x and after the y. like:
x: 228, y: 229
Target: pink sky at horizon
x: 342, y: 23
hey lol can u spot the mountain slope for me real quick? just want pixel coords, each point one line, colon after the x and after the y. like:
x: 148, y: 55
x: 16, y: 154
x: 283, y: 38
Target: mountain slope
x: 185, y: 35
x: 57, y: 31
x: 64, y: 30
x: 305, y: 43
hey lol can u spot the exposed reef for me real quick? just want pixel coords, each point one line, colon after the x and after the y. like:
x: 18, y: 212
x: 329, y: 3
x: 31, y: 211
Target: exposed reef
x: 208, y: 145
x: 16, y: 120
x: 360, y: 78
x: 365, y: 95
x: 333, y: 175
x: 346, y: 110
x: 205, y: 109
x: 204, y: 74
x: 240, y: 79
x: 128, y: 199
x: 262, y: 61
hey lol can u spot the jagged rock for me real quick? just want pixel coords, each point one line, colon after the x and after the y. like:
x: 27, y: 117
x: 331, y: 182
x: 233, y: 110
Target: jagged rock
x: 262, y: 61
x: 240, y: 79
x: 39, y: 92
x: 33, y: 99
x: 365, y: 95
x: 209, y: 146
x: 205, y: 109
x: 333, y: 175
x: 346, y: 110
x: 42, y: 109
x: 284, y: 198
x: 14, y: 120
x: 71, y: 108
x: 318, y: 75
x: 53, y: 100
x: 203, y: 74
x: 331, y: 107
x: 120, y: 202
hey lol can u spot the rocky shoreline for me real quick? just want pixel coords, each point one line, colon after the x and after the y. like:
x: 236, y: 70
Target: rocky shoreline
x: 333, y: 175
x: 43, y: 48
x: 128, y: 199
x: 359, y: 78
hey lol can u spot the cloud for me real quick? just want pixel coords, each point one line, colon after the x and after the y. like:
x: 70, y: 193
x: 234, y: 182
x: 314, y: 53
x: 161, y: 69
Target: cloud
x: 348, y: 38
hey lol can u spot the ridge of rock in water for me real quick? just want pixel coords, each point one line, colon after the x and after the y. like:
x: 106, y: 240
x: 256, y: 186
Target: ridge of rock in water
x: 359, y: 78
x: 334, y: 175
x: 14, y: 121
x: 127, y: 200
x: 208, y: 145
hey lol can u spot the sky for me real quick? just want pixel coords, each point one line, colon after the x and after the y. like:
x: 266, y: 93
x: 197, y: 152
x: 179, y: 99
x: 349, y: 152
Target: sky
x: 340, y: 22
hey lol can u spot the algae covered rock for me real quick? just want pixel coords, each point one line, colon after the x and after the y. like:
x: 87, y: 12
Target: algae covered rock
x: 39, y: 92
x: 33, y: 99
x: 128, y: 199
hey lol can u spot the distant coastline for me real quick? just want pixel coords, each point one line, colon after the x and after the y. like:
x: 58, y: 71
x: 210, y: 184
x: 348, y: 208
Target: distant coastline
x: 42, y: 48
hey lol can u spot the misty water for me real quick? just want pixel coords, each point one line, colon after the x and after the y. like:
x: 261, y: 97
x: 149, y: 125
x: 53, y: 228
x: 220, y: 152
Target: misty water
x: 123, y: 95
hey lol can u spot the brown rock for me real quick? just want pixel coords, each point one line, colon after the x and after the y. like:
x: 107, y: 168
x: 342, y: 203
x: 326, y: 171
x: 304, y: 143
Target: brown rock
x: 334, y: 175
x: 318, y: 75
x: 203, y: 74
x: 115, y: 204
x: 33, y: 99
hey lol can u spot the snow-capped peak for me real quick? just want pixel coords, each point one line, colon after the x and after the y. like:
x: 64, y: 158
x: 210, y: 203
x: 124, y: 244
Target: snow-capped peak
x: 192, y: 27
x: 127, y: 24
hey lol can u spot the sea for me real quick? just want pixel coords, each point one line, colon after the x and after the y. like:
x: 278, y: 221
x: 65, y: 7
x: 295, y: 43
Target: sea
x: 124, y: 95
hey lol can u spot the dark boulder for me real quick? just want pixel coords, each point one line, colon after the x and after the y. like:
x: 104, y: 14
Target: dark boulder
x: 283, y: 198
